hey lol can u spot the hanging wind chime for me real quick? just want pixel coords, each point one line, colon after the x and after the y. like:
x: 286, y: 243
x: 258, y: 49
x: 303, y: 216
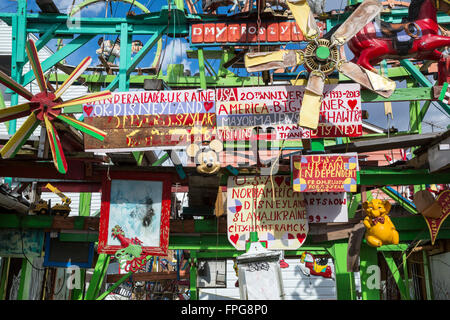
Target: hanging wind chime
x: 46, y: 107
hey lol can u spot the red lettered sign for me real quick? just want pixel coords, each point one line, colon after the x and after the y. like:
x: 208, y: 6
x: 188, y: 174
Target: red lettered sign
x: 325, y: 173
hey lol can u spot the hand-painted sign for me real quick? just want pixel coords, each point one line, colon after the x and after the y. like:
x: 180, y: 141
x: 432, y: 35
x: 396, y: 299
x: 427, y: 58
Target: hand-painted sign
x: 435, y: 224
x: 240, y: 110
x: 325, y: 173
x: 144, y: 120
x: 268, y: 206
x: 323, y: 207
x: 249, y: 33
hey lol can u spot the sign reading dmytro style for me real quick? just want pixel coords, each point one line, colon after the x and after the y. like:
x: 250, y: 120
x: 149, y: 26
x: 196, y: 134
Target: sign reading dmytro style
x: 266, y: 205
x: 249, y: 33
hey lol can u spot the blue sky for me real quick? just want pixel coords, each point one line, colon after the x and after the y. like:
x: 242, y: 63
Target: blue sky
x: 176, y: 48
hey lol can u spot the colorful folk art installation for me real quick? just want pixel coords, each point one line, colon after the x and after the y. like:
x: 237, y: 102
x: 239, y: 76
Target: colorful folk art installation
x: 417, y: 38
x: 147, y: 120
x: 379, y: 228
x: 325, y: 173
x: 310, y: 267
x: 266, y: 205
x: 46, y: 108
x: 131, y: 257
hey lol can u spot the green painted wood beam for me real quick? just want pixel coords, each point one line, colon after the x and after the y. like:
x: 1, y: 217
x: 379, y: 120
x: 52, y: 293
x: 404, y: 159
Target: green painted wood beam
x: 202, y: 242
x: 114, y: 286
x: 77, y: 294
x: 395, y: 273
x: 345, y: 282
x: 4, y: 276
x: 392, y: 176
x: 59, y: 55
x: 161, y: 160
x: 394, y: 196
x: 193, y: 275
x: 355, y: 202
x: 393, y: 247
x: 97, y: 277
x: 25, y: 278
x: 422, y: 80
x: 127, y: 67
x: 368, y: 258
x: 85, y: 204
x: 400, y: 94
x: 36, y: 222
x: 125, y: 52
x: 318, y: 145
x: 201, y: 67
x: 367, y: 96
x: 142, y: 24
x: 19, y: 25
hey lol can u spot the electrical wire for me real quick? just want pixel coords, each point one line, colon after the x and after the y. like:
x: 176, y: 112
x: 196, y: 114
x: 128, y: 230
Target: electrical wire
x: 23, y: 252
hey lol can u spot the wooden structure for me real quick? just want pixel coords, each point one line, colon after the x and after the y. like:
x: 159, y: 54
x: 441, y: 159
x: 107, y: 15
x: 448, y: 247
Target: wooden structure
x: 207, y: 238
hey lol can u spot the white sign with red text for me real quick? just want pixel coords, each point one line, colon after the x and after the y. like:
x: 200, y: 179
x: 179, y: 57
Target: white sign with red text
x: 277, y: 108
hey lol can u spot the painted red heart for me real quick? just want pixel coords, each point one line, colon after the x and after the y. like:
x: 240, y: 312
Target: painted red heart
x: 352, y: 103
x: 290, y: 236
x: 301, y: 236
x: 208, y: 105
x: 234, y: 238
x: 279, y: 180
x: 88, y: 110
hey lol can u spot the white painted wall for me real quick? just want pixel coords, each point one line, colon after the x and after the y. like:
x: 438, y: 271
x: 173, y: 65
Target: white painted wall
x: 440, y: 271
x: 297, y: 286
x: 75, y: 197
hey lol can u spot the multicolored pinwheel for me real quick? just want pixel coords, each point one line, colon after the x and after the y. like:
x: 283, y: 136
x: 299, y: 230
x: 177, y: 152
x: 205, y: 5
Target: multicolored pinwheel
x: 44, y: 108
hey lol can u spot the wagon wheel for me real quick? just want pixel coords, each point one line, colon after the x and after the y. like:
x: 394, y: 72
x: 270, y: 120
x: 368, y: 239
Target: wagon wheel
x: 133, y: 4
x: 44, y: 108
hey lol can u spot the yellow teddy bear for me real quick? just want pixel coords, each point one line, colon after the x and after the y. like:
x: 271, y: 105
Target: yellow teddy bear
x: 379, y: 228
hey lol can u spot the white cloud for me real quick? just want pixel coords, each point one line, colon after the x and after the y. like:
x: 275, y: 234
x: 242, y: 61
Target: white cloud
x: 175, y: 53
x: 65, y: 6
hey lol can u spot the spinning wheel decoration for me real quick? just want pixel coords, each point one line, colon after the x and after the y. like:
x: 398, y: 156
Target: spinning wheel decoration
x: 321, y: 57
x: 44, y: 108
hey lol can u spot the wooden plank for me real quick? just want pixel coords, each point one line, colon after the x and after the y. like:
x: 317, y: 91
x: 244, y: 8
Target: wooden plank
x: 354, y: 247
x: 384, y: 143
x: 148, y: 276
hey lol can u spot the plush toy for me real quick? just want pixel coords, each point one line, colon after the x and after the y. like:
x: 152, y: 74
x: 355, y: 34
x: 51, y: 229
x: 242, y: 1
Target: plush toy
x: 379, y: 228
x: 206, y: 157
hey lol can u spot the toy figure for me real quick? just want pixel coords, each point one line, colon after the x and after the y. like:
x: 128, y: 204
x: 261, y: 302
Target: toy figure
x: 379, y: 228
x: 309, y: 266
x: 206, y: 157
x: 417, y: 37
